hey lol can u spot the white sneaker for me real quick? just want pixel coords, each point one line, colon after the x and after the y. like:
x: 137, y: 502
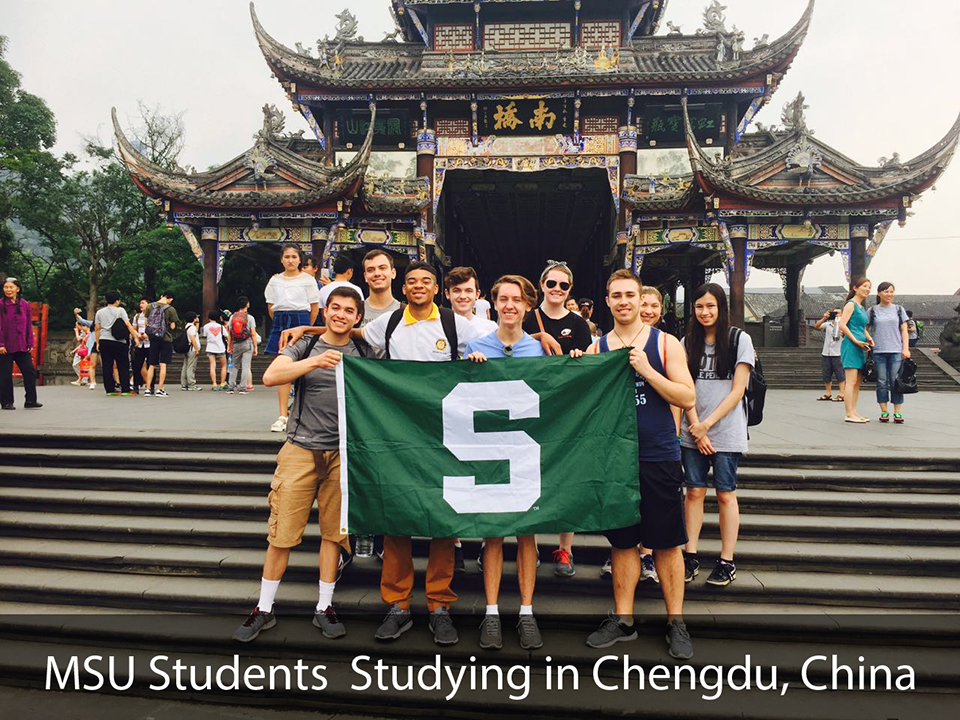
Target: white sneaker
x: 280, y: 425
x: 76, y: 382
x: 92, y: 386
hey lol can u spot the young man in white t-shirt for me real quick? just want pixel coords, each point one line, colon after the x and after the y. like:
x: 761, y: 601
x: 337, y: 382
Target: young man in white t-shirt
x: 342, y: 274
x: 462, y: 289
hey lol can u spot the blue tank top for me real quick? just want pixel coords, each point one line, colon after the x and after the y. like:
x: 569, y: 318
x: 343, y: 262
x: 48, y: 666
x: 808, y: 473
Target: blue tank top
x: 656, y: 430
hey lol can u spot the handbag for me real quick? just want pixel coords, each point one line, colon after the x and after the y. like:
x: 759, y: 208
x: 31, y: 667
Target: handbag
x: 906, y: 380
x: 869, y: 370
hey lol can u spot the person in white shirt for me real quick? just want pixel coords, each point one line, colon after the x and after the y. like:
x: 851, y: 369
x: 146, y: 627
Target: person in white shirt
x: 292, y: 299
x: 462, y: 289
x: 482, y: 306
x: 188, y: 371
x: 215, y: 333
x: 831, y: 366
x: 342, y: 274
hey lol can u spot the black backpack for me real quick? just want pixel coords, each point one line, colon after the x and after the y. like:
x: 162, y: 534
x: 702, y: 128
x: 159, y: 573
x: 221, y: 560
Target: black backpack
x: 181, y: 343
x: 756, y: 392
x: 119, y: 330
x: 447, y: 319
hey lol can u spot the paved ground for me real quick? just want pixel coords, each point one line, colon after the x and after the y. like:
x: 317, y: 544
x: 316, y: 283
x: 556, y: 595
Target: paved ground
x: 793, y: 418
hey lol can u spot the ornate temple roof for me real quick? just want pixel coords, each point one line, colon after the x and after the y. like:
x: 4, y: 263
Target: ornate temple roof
x: 715, y: 54
x: 396, y: 196
x: 269, y: 175
x: 790, y: 167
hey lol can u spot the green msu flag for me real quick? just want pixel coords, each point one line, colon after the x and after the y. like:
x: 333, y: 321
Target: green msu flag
x: 506, y: 447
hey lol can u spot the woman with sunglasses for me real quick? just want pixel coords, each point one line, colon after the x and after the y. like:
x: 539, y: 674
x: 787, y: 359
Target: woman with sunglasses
x: 513, y: 297
x: 572, y: 333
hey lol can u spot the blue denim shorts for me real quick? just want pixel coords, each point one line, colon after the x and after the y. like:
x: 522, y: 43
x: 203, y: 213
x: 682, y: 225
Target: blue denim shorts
x: 696, y: 467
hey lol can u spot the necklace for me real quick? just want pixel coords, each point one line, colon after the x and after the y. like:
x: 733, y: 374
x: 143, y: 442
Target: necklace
x: 629, y: 344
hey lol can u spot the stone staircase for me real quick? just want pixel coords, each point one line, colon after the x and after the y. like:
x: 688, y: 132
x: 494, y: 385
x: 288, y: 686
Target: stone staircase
x: 799, y: 369
x: 837, y: 553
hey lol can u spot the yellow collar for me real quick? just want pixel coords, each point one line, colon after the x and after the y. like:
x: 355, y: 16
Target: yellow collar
x: 409, y: 319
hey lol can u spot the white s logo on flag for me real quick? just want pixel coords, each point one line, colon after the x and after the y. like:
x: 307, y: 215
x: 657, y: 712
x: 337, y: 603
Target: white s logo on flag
x: 522, y: 452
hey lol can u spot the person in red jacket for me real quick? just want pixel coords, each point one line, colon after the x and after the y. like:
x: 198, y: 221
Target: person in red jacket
x: 16, y: 342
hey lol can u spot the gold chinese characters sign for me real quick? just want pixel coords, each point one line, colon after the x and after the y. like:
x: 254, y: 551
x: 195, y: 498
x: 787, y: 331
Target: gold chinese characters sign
x: 546, y: 116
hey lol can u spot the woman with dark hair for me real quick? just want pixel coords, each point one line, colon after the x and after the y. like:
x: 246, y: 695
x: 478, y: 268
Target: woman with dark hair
x: 16, y: 342
x: 888, y: 324
x: 292, y: 300
x: 714, y: 431
x: 853, y: 350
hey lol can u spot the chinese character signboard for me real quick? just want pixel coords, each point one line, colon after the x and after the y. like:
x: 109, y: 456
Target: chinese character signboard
x: 392, y: 126
x: 664, y: 123
x: 549, y: 116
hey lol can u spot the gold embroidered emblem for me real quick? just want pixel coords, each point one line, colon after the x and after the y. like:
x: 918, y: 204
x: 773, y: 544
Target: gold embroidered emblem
x: 441, y: 344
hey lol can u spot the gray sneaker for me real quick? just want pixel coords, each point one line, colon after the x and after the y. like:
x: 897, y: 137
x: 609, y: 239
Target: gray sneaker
x: 395, y: 624
x: 441, y: 624
x: 529, y: 632
x: 329, y: 623
x: 678, y: 640
x: 611, y: 631
x: 648, y: 570
x: 490, y: 636
x: 252, y: 626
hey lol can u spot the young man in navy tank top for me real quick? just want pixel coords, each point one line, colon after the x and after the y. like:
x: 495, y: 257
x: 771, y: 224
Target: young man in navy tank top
x: 662, y: 380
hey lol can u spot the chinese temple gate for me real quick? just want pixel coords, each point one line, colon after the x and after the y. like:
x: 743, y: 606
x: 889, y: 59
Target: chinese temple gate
x: 503, y: 133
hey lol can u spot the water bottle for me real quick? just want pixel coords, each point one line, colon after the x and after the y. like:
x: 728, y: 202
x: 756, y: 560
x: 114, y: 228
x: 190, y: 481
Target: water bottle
x: 364, y: 546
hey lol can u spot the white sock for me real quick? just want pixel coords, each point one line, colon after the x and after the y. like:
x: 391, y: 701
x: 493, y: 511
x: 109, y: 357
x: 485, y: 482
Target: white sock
x: 326, y: 595
x: 493, y: 610
x: 526, y: 609
x: 268, y: 591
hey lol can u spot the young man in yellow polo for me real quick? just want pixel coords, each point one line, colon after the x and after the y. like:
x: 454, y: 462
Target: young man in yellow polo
x: 308, y: 465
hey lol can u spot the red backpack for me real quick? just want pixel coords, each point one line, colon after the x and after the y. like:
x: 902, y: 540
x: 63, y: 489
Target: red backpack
x: 239, y: 330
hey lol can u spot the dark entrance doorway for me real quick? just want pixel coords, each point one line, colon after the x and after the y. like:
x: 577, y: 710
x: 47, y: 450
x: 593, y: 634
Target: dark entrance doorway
x: 507, y: 222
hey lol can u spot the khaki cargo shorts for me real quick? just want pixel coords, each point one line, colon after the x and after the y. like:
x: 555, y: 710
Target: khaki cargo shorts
x: 301, y: 477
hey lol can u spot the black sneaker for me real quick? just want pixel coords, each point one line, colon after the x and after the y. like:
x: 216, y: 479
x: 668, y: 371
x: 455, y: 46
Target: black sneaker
x: 723, y: 573
x: 611, y: 631
x: 529, y: 631
x: 691, y: 568
x: 345, y: 559
x: 33, y: 405
x: 397, y: 622
x: 678, y: 641
x: 329, y: 623
x: 441, y: 625
x: 458, y: 566
x: 252, y: 626
x: 490, y: 635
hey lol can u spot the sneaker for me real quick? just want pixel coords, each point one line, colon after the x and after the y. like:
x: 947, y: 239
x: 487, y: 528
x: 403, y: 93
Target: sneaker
x: 329, y: 623
x: 529, y: 631
x: 33, y: 405
x: 160, y: 393
x: 244, y: 391
x: 611, y: 631
x: 723, y: 573
x: 480, y: 557
x: 252, y: 626
x: 563, y: 563
x: 127, y: 394
x: 884, y: 417
x: 92, y: 386
x: 678, y: 641
x: 147, y: 392
x: 897, y: 419
x: 490, y: 636
x: 691, y: 568
x: 280, y: 425
x: 215, y: 388
x: 76, y: 382
x: 113, y: 394
x: 249, y: 388
x: 606, y: 572
x: 458, y: 566
x: 441, y: 625
x: 345, y: 559
x: 184, y: 388
x: 648, y: 571
x: 395, y: 624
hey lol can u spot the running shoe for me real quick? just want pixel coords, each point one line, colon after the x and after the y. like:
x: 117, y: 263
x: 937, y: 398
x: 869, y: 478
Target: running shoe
x: 611, y: 631
x: 329, y: 624
x: 648, y: 571
x: 280, y: 425
x: 441, y: 625
x: 490, y: 636
x: 529, y: 631
x: 397, y: 622
x: 691, y: 568
x: 606, y: 572
x: 563, y: 563
x: 723, y: 573
x: 252, y: 626
x: 160, y: 393
x: 897, y: 418
x: 678, y: 641
x: 112, y: 394
x: 76, y: 382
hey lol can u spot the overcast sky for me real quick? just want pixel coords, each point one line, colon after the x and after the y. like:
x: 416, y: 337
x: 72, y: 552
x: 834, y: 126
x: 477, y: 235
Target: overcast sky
x: 879, y: 75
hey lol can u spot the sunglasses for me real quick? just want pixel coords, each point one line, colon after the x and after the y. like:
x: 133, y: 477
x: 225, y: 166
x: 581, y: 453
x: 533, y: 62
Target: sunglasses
x: 551, y: 284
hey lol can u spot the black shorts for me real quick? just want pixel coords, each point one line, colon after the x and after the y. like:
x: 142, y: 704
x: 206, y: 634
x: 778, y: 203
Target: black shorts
x: 662, y: 524
x: 160, y: 352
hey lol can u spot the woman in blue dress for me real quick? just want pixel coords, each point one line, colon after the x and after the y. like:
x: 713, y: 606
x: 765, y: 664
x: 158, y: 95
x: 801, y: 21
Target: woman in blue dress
x: 853, y: 350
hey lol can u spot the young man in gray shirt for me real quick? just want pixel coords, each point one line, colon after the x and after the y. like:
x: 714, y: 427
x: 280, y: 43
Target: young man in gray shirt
x: 308, y: 465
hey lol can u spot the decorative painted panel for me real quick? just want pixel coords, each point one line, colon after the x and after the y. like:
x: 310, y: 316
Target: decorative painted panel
x: 458, y: 38
x: 542, y: 145
x: 813, y: 231
x: 368, y: 236
x: 527, y: 36
x: 601, y: 124
x: 453, y: 127
x: 256, y: 235
x: 595, y: 34
x: 679, y: 235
